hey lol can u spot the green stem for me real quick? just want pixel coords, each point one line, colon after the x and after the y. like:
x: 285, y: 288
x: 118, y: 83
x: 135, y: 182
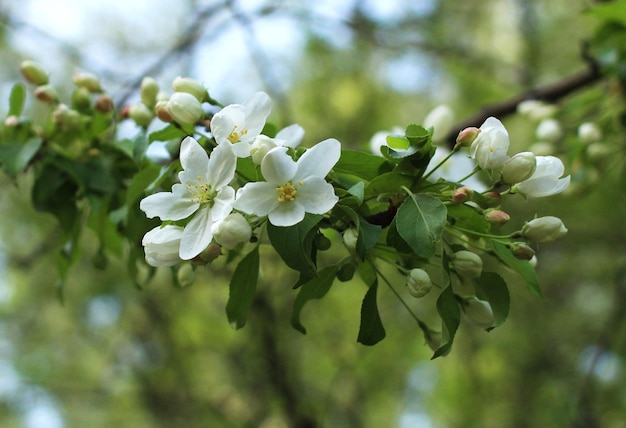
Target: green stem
x: 474, y: 171
x: 487, y: 235
x: 440, y: 163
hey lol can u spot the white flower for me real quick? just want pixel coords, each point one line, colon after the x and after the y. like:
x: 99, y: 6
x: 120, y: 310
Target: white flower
x: 441, y: 119
x: 232, y: 231
x: 291, y: 136
x: 478, y: 312
x: 162, y: 244
x: 489, y: 149
x: 203, y: 191
x: 546, y: 180
x: 544, y: 229
x: 292, y: 188
x: 240, y: 124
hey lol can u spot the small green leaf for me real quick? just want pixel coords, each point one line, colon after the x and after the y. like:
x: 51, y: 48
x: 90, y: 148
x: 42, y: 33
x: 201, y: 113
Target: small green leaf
x: 522, y: 267
x: 492, y: 288
x: 54, y: 191
x: 397, y: 142
x: 17, y: 98
x: 315, y: 288
x: 450, y: 314
x: 358, y: 191
x: 368, y: 237
x: 294, y: 244
x: 371, y: 330
x: 14, y: 157
x: 242, y: 289
x: 140, y: 146
x: 420, y: 222
x: 361, y: 164
x: 170, y: 132
x: 417, y: 135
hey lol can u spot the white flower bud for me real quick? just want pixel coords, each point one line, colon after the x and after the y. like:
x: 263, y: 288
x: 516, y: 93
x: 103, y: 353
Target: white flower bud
x: 34, y: 73
x: 549, y: 130
x: 478, y: 312
x: 141, y: 114
x: 536, y: 110
x: 261, y: 145
x: 418, y: 282
x: 190, y: 86
x: 184, y: 108
x: 441, y: 119
x: 162, y: 244
x: 148, y: 91
x: 88, y: 81
x: 518, y: 168
x: 232, y: 231
x: 589, y: 132
x: 186, y: 275
x: 350, y: 238
x: 467, y: 264
x: 544, y: 229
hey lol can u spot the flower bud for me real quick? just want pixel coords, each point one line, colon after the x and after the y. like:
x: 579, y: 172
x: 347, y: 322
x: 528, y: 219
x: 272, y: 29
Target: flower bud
x: 212, y: 252
x: 418, y: 282
x: 232, y: 231
x: 478, y: 312
x: 141, y: 114
x: 65, y: 118
x: 467, y: 264
x: 518, y: 168
x: 522, y: 251
x: 260, y: 147
x: 88, y: 81
x: 81, y: 100
x: 34, y: 73
x: 544, y: 229
x: 492, y: 199
x: 11, y: 121
x: 184, y: 108
x: 462, y: 194
x: 589, y: 132
x: 162, y: 112
x: 104, y: 103
x: 536, y: 110
x: 441, y: 119
x: 190, y: 86
x: 186, y: 275
x: 549, y: 130
x: 350, y: 238
x: 148, y: 91
x: 47, y: 94
x: 162, y: 244
x: 467, y: 136
x: 497, y: 217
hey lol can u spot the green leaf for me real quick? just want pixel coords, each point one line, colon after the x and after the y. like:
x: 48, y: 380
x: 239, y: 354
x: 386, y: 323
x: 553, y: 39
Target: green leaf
x: 315, y: 288
x: 468, y: 218
x: 140, y: 182
x: 14, y: 157
x: 492, y: 288
x: 242, y: 289
x: 397, y: 142
x: 450, y: 314
x: 361, y: 164
x: 17, y: 98
x: 390, y: 182
x: 368, y: 233
x: 54, y: 191
x: 247, y: 170
x: 367, y: 273
x: 615, y: 12
x: 294, y: 244
x: 358, y: 191
x: 522, y: 267
x: 420, y: 222
x: 417, y: 135
x: 140, y: 146
x: 106, y: 230
x: 170, y: 132
x: 371, y: 330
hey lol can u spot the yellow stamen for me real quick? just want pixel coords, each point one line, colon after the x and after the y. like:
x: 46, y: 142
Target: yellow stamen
x: 201, y: 193
x: 286, y: 192
x: 235, y: 135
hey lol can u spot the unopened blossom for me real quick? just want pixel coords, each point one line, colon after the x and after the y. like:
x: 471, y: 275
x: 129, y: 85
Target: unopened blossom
x: 203, y: 195
x: 549, y: 130
x: 292, y: 187
x: 522, y: 251
x: 87, y: 80
x: 34, y: 73
x: 162, y: 245
x: 490, y: 147
x: 467, y: 264
x: 190, y: 86
x: 418, y: 282
x: 148, y: 91
x: 291, y: 136
x: 544, y: 229
x: 497, y: 217
x: 518, y: 168
x: 239, y: 124
x: 478, y: 312
x: 441, y: 119
x: 232, y: 231
x: 467, y: 136
x: 184, y: 108
x: 546, y: 180
x: 588, y: 132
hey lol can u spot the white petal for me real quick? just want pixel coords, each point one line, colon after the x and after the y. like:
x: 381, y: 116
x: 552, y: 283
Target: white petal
x: 162, y: 235
x: 193, y: 159
x: 223, y: 203
x: 197, y: 234
x: 241, y: 149
x: 316, y: 195
x: 225, y: 121
x: 169, y: 205
x: 287, y: 214
x: 291, y: 136
x: 258, y: 108
x: 221, y: 166
x: 549, y: 165
x: 257, y: 198
x: 319, y: 159
x: 493, y: 123
x: 278, y: 167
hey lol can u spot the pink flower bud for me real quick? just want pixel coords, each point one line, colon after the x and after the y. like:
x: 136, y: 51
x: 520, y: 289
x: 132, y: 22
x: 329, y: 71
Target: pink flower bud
x: 467, y: 136
x: 104, y: 103
x: 47, y: 94
x: 162, y: 112
x: 522, y: 251
x: 462, y: 194
x: 497, y: 217
x: 493, y: 199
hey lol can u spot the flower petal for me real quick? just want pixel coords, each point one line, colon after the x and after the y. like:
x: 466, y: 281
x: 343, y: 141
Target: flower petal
x: 549, y: 165
x: 316, y: 195
x: 172, y: 205
x: 319, y: 159
x: 223, y: 203
x: 257, y: 198
x: 278, y: 167
x: 287, y: 214
x: 193, y: 159
x: 221, y: 166
x: 197, y: 235
x: 258, y: 107
x: 224, y: 122
x: 241, y: 149
x: 291, y: 136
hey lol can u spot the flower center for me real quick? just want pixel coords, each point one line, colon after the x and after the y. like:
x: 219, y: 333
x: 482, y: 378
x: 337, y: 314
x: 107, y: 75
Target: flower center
x: 201, y: 193
x: 235, y: 135
x: 287, y: 192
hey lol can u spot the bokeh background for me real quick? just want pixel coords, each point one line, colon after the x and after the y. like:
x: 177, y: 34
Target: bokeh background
x: 111, y: 354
